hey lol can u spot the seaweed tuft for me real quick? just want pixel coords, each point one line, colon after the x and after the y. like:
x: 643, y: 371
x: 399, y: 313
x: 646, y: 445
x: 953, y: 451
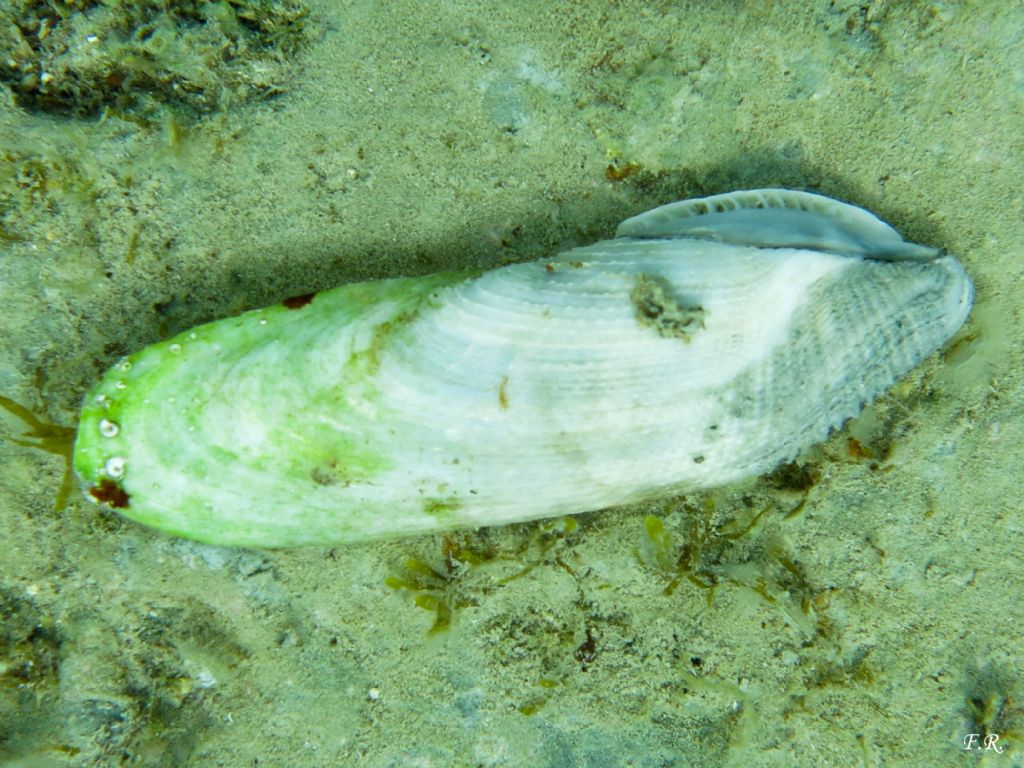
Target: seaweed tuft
x: 454, y: 578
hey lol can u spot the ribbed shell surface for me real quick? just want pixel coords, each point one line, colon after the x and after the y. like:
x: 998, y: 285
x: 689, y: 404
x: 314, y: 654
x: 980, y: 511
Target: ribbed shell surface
x: 533, y: 390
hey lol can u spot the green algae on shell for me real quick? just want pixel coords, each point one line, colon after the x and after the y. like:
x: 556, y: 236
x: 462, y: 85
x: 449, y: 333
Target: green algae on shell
x: 710, y: 340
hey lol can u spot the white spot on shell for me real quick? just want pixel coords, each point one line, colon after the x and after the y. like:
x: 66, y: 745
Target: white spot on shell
x: 263, y: 321
x: 175, y: 348
x: 115, y: 466
x: 102, y: 399
x: 193, y: 336
x: 120, y: 385
x: 125, y: 365
x: 109, y: 428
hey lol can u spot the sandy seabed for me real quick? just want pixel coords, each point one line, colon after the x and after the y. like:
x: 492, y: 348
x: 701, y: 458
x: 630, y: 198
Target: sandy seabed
x: 864, y: 611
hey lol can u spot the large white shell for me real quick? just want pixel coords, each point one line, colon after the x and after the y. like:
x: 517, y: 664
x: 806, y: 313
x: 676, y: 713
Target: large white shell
x: 710, y: 340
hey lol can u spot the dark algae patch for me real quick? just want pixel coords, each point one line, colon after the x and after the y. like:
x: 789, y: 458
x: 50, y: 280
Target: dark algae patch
x: 82, y: 57
x: 30, y: 649
x: 298, y: 302
x: 657, y: 308
x: 110, y: 493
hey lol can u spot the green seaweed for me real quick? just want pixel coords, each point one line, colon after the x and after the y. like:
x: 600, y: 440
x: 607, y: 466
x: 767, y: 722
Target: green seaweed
x: 48, y: 437
x: 853, y: 671
x: 675, y: 562
x: 710, y: 553
x: 447, y: 581
x: 440, y: 589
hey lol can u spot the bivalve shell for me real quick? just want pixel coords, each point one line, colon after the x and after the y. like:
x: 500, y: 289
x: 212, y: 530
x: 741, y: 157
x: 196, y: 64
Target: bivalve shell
x: 711, y: 339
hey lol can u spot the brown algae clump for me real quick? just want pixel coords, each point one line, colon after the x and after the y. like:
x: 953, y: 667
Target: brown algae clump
x: 81, y: 57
